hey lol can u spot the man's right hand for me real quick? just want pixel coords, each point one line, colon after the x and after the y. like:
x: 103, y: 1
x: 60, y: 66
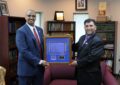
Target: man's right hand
x: 44, y: 63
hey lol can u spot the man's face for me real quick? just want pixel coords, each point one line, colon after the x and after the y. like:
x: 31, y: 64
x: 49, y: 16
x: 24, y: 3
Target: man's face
x: 90, y: 28
x: 30, y: 17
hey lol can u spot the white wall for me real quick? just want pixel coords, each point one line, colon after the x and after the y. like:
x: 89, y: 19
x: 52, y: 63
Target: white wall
x: 18, y: 8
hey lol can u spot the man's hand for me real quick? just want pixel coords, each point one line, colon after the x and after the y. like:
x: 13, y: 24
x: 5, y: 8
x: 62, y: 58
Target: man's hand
x: 44, y: 63
x: 73, y: 63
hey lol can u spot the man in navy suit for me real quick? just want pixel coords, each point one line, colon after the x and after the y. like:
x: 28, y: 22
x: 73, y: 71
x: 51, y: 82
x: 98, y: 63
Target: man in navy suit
x: 31, y: 65
x: 90, y: 49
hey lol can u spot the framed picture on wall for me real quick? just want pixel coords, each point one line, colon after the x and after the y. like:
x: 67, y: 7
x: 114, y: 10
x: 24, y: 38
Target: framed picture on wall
x: 4, y: 8
x: 59, y: 15
x: 81, y: 4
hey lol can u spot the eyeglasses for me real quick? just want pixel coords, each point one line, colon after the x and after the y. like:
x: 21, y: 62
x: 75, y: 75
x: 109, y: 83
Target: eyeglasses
x: 31, y: 15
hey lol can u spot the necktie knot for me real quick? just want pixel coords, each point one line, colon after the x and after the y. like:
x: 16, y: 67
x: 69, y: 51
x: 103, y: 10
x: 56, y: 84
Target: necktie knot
x: 34, y: 29
x: 35, y: 34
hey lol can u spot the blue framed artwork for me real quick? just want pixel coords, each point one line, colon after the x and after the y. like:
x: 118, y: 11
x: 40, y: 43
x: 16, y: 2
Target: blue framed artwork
x: 58, y: 49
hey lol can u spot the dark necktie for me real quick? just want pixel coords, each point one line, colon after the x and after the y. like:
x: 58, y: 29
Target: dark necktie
x: 38, y: 41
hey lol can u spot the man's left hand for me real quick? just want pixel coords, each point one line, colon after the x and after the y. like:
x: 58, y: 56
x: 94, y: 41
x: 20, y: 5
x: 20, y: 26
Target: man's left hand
x: 73, y: 63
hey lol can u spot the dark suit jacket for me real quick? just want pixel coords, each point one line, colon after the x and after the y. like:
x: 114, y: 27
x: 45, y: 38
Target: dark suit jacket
x: 29, y: 52
x: 88, y: 59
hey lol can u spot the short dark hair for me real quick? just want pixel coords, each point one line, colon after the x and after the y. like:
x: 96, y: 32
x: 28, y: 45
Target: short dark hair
x: 89, y: 20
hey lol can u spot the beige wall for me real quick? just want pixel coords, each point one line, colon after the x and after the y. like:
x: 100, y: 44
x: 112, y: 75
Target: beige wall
x: 18, y: 8
x: 47, y: 7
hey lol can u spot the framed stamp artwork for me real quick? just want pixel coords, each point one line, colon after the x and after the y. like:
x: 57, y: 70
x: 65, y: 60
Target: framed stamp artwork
x: 81, y: 4
x: 57, y: 49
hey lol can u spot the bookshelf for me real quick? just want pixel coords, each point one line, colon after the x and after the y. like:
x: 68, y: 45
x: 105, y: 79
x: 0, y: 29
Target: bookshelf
x: 107, y: 32
x: 8, y: 50
x: 61, y: 28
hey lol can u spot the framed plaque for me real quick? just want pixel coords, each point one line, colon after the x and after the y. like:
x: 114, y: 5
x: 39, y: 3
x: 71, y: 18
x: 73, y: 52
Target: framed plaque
x: 57, y: 49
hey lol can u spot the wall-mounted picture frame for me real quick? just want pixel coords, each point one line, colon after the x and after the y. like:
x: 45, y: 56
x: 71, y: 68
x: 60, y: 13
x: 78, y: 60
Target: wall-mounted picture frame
x: 59, y: 15
x: 81, y: 4
x: 4, y: 8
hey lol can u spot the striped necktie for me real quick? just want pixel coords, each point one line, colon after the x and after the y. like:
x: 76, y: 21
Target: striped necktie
x: 38, y: 41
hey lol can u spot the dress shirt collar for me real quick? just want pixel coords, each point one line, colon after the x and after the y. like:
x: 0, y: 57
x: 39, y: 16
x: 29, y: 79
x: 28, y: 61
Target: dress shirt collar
x: 87, y: 36
x: 31, y: 28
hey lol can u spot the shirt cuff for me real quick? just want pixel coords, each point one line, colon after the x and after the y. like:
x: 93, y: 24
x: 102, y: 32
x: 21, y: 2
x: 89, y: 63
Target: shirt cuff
x: 41, y: 61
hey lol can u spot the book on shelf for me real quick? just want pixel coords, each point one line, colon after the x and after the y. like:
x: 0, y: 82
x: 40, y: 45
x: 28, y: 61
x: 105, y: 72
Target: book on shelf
x: 108, y: 54
x: 106, y: 28
x: 72, y: 27
x: 109, y: 46
x: 11, y: 41
x: 13, y: 26
x: 13, y: 55
x: 52, y: 28
x: 67, y: 27
x: 58, y: 27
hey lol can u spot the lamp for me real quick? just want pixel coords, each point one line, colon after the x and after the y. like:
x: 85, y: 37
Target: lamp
x: 59, y: 15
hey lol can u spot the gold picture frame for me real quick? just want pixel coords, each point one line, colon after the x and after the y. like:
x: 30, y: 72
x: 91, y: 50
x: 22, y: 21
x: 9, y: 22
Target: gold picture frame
x: 59, y: 16
x: 4, y: 8
x: 81, y: 4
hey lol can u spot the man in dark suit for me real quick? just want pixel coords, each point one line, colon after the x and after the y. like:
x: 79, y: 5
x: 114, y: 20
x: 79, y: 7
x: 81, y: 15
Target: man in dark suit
x: 29, y: 41
x: 90, y: 49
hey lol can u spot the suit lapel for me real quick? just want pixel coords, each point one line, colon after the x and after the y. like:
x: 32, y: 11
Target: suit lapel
x: 86, y: 45
x: 81, y: 42
x: 29, y: 32
x: 90, y: 39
